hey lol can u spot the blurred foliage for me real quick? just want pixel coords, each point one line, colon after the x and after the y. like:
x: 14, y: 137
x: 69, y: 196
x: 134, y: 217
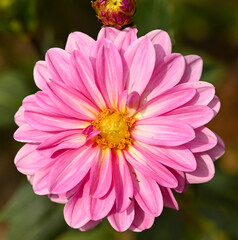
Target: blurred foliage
x: 207, y: 28
x: 18, y: 16
x: 12, y: 91
x: 26, y: 212
x: 153, y: 14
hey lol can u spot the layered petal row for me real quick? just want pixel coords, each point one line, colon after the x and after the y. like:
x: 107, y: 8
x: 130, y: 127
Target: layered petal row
x: 117, y: 127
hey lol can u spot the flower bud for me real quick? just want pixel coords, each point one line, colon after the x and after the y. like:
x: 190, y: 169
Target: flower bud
x: 115, y: 13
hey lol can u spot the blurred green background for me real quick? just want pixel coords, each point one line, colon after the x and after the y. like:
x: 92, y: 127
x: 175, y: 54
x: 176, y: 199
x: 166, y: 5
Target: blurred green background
x: 208, y: 28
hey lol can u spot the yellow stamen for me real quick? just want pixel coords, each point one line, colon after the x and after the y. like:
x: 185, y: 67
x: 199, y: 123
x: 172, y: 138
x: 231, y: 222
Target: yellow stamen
x: 114, y: 4
x: 115, y: 129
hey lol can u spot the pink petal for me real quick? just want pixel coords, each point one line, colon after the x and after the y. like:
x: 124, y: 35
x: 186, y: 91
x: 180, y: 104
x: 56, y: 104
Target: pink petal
x: 40, y: 180
x: 147, y: 194
x: 29, y: 103
x: 205, y: 169
x: 82, y: 70
x: 139, y: 64
x: 109, y: 33
x: 125, y: 38
x: 122, y: 101
x: 179, y: 158
x: 79, y: 41
x: 133, y: 103
x: 101, y: 174
x: 165, y: 76
x: 74, y: 212
x: 205, y: 93
x: 195, y: 116
x: 26, y: 133
x: 89, y: 225
x: 43, y: 100
x: 121, y: 221
x: 71, y: 139
x: 162, y: 131
x: 218, y: 150
x: 46, y: 106
x: 19, y: 117
x: 129, y: 104
x: 63, y: 198
x: 161, y: 42
x: 122, y: 182
x: 148, y: 166
x: 71, y: 167
x: 72, y: 102
x: 169, y: 199
x: 205, y: 140
x: 181, y: 180
x: 97, y: 208
x: 193, y: 70
x: 45, y: 122
x: 92, y: 134
x: 58, y: 198
x: 215, y: 105
x: 41, y: 75
x: 109, y: 73
x: 28, y: 160
x: 58, y: 64
x: 166, y: 102
x: 95, y: 49
x: 88, y: 130
x: 142, y: 220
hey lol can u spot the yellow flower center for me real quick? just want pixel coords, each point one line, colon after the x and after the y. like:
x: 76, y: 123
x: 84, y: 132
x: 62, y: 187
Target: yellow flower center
x: 114, y: 4
x: 115, y: 129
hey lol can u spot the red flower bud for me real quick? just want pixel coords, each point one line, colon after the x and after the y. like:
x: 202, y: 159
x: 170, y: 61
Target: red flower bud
x: 115, y: 13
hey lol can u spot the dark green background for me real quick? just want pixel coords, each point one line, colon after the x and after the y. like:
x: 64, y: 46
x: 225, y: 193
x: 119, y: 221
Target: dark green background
x: 208, y: 28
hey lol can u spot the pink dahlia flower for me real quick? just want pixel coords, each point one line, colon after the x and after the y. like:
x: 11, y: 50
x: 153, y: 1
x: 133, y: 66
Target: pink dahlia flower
x: 117, y: 127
